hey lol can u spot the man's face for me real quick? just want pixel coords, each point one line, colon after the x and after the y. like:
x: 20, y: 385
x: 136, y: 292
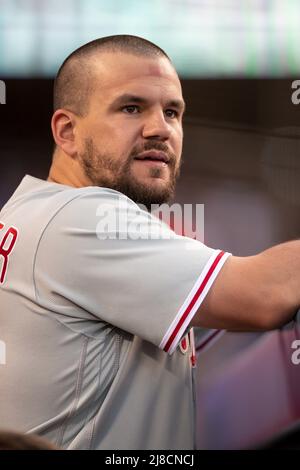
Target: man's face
x: 131, y: 138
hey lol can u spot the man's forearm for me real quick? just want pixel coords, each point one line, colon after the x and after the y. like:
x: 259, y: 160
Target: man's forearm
x: 258, y: 292
x: 280, y: 268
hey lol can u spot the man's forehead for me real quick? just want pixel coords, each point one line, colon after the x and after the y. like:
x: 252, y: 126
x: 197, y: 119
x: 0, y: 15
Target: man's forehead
x: 115, y: 68
x: 156, y: 69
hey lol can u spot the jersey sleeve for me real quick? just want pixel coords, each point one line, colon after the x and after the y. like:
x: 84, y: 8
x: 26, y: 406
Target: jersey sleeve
x: 101, y: 257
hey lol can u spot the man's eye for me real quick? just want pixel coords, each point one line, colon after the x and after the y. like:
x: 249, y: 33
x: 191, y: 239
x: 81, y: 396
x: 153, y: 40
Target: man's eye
x: 171, y: 113
x: 130, y: 109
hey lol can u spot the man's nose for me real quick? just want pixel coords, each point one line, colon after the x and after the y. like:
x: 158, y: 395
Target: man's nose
x: 156, y: 127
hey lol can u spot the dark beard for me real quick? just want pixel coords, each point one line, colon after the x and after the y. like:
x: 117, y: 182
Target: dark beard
x: 96, y: 166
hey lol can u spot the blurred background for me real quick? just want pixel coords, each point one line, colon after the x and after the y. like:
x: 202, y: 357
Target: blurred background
x: 237, y: 60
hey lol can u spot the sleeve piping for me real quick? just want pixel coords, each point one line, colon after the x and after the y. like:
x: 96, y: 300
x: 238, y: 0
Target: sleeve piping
x: 193, y: 301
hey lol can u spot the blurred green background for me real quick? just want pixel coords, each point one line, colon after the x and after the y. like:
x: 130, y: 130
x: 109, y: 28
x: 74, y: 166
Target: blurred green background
x: 204, y: 38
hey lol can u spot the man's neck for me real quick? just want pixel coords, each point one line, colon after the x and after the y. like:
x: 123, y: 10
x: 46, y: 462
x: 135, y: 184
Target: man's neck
x: 67, y: 171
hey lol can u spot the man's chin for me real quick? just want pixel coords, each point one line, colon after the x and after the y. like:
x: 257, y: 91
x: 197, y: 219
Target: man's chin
x: 149, y: 194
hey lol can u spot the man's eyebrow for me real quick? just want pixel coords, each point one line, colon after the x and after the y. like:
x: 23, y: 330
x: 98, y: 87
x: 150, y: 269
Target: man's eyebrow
x: 128, y: 98
x: 178, y: 104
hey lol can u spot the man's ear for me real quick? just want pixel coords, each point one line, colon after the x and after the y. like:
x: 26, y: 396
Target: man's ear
x: 63, y: 124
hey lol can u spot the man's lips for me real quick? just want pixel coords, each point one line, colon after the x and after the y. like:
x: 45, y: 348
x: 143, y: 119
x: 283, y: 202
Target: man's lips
x: 153, y: 156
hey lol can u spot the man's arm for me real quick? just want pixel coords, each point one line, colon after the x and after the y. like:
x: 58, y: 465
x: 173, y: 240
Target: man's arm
x: 259, y: 292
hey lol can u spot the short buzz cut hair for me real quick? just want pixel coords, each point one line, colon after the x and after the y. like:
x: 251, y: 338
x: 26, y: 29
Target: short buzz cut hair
x: 74, y: 80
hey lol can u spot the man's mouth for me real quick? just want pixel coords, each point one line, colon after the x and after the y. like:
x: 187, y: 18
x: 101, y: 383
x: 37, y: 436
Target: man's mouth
x: 153, y: 156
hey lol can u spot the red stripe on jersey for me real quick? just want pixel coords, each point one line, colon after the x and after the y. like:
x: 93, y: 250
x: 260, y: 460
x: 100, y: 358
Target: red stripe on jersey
x: 193, y: 301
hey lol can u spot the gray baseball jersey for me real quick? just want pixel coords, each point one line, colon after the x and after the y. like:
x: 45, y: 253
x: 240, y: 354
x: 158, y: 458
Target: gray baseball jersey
x: 96, y: 298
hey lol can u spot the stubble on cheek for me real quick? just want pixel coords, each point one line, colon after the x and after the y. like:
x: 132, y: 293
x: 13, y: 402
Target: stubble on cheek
x: 107, y: 171
x: 100, y: 168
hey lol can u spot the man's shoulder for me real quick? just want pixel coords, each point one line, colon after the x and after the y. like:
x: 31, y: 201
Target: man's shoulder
x: 82, y: 208
x: 99, y: 193
x: 90, y: 200
x: 37, y: 189
x: 54, y: 197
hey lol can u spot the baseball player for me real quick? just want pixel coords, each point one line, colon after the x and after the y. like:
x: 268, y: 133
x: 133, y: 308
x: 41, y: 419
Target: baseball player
x: 97, y: 295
